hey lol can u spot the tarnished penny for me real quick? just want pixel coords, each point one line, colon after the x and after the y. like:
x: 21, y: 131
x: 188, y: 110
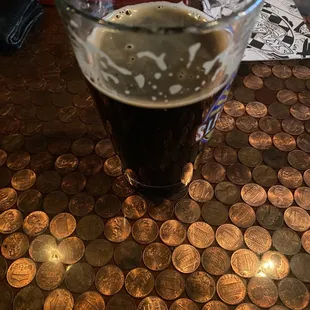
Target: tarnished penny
x: 10, y: 221
x: 107, y: 206
x: 161, y: 212
x: 246, y: 124
x: 269, y: 217
x: 134, y: 207
x: 292, y: 126
x: 50, y: 275
x: 89, y: 227
x: 113, y: 166
x: 231, y: 289
x: 152, y: 303
x: 293, y: 293
x: 66, y: 163
x: 280, y: 196
x: 286, y: 241
x: 242, y: 215
x: 215, y: 261
x: 286, y: 97
x: 225, y: 155
x: 169, y: 284
x: 139, y: 282
x: 275, y: 265
x: 234, y: 108
x: 187, y: 211
x: 73, y: 183
x: 81, y: 204
x: 250, y: 157
x: 29, y: 297
x: 264, y: 175
x: 269, y: 125
x: 297, y: 219
x: 29, y: 200
x: 172, y: 232
x: 213, y: 172
x: 99, y: 252
x: 299, y: 266
x: 262, y: 292
x: 62, y: 225
x: 214, y: 213
x: 8, y: 197
x: 227, y: 193
x: 201, y: 191
x: 128, y: 255
x: 216, y: 139
x: 79, y: 277
x: 229, y: 237
x: 245, y: 263
x: 305, y: 241
x: 239, y: 174
x: 275, y: 158
x: 23, y: 179
x: 257, y: 239
x: 200, y: 287
x: 184, y: 303
x: 3, y: 157
x: 200, y: 235
x: 71, y: 250
x: 186, y: 258
x: 290, y: 177
x: 117, y: 229
x: 90, y: 164
x: 121, y: 301
x: 109, y: 280
x: 278, y: 110
x: 41, y: 162
x: 59, y: 299
x: 157, y: 256
x: 301, y: 197
x: 18, y: 160
x: 6, y: 296
x: 104, y: 148
x: 303, y: 142
x: 55, y: 202
x: 48, y: 181
x: 253, y: 194
x: 21, y: 272
x: 145, y: 230
x: 82, y: 146
x: 3, y: 267
x: 6, y: 176
x: 14, y: 246
x: 121, y: 187
x: 43, y: 248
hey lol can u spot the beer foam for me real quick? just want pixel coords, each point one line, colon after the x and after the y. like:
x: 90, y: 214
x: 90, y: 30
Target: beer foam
x: 155, y: 69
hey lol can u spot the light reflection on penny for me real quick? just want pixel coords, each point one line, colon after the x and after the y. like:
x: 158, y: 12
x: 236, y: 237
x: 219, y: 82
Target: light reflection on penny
x: 152, y: 303
x: 245, y: 263
x: 109, y: 280
x: 134, y: 207
x: 43, y: 248
x: 275, y: 265
x: 35, y: 223
x: 257, y: 239
x: 157, y: 256
x: 66, y: 163
x: 139, y: 282
x: 23, y: 179
x: 172, y: 232
x: 71, y: 250
x: 117, y: 229
x: 15, y: 246
x: 229, y: 237
x: 297, y: 219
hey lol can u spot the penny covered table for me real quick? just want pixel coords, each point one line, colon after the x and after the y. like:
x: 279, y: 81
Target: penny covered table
x: 74, y: 234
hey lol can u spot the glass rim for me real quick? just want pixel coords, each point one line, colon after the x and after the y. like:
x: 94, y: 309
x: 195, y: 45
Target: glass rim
x: 206, y: 27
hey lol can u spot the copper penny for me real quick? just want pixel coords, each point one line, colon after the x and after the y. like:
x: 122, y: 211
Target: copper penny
x: 8, y: 197
x: 216, y: 139
x: 300, y: 111
x: 96, y: 132
x: 172, y: 232
x: 169, y: 284
x: 213, y: 172
x: 121, y: 301
x: 128, y: 255
x: 71, y: 250
x: 12, y: 142
x: 15, y: 246
x: 280, y: 196
x: 186, y: 258
x: 279, y: 307
x: 225, y: 155
x: 79, y: 277
x: 215, y: 261
x: 21, y: 272
x: 301, y: 72
x: 229, y: 237
x: 260, y: 140
x: 214, y: 213
x: 187, y: 211
x: 264, y: 176
x: 139, y: 282
x: 113, y: 166
x: 275, y: 158
x: 23, y: 179
x: 231, y: 289
x: 55, y: 202
x: 245, y: 263
x: 59, y: 298
x: 73, y: 183
x: 121, y: 187
x: 256, y: 109
x: 292, y: 126
x: 297, y: 219
x: 18, y: 160
x: 6, y: 296
x: 35, y: 223
x: 269, y: 125
x: 305, y: 241
x: 299, y: 159
x: 275, y: 265
x: 246, y: 124
x: 257, y: 239
x: 225, y: 122
x: 304, y: 97
x: 50, y: 275
x: 293, y: 293
x: 152, y: 303
x: 117, y: 229
x: 250, y: 157
x: 62, y: 225
x: 290, y: 177
x: 99, y: 252
x: 284, y: 142
x: 214, y: 305
x: 29, y: 297
x: 262, y: 292
x: 269, y: 217
x: 29, y: 200
x: 43, y: 248
x: 234, y: 108
x: 82, y: 146
x: 3, y: 157
x: 227, y: 193
x: 286, y: 241
x: 200, y: 287
x: 286, y: 97
x: 307, y: 177
x: 108, y: 206
x: 239, y: 174
x: 242, y: 215
x: 299, y: 266
x: 282, y: 71
x: 10, y: 221
x: 261, y: 70
x: 9, y: 125
x: 66, y: 163
x: 104, y: 148
x: 200, y: 235
x: 157, y: 256
x: 253, y: 194
x: 253, y: 82
x: 48, y: 181
x: 89, y: 227
x: 184, y: 303
x: 145, y: 231
x: 90, y: 300
x: 201, y: 191
x: 134, y: 207
x: 41, y: 162
x: 303, y: 142
x: 81, y: 204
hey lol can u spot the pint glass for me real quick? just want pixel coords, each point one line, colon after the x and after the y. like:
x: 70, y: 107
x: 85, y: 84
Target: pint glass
x: 159, y: 73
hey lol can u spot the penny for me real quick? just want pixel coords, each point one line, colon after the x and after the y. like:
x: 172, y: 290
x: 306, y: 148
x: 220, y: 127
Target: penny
x: 215, y: 305
x: 9, y: 125
x: 99, y: 252
x: 79, y: 277
x: 113, y: 166
x: 68, y: 114
x: 108, y: 206
x: 10, y: 221
x: 253, y: 194
x: 239, y: 174
x: 290, y: 177
x: 284, y: 142
x: 21, y: 272
x: 62, y: 225
x: 156, y: 256
x: 303, y: 142
x: 200, y: 235
x: 213, y: 172
x: 215, y: 261
x: 186, y: 258
x: 286, y: 241
x: 278, y: 307
x: 23, y: 179
x: 245, y: 263
x: 83, y: 100
x: 18, y: 160
x: 53, y: 129
x: 280, y: 196
x: 59, y: 299
x: 229, y: 237
x: 6, y: 176
x: 214, y: 213
x: 29, y: 297
x: 81, y: 204
x: 242, y: 215
x: 59, y: 146
x: 73, y: 183
x: 121, y: 187
x: 8, y: 197
x: 29, y: 200
x: 269, y: 217
x: 71, y: 250
x: 249, y: 157
x: 257, y: 239
x: 172, y: 232
x: 231, y: 289
x: 89, y: 227
x: 3, y: 157
x: 127, y: 255
x: 275, y: 158
x: 134, y: 207
x: 82, y: 147
x: 50, y: 275
x: 287, y: 97
x: 120, y: 301
x: 227, y: 193
x: 96, y: 132
x: 292, y: 126
x: 305, y: 241
x: 260, y: 140
x: 234, y: 108
x: 41, y: 162
x: 307, y: 177
x: 269, y: 125
x: 145, y: 231
x: 35, y: 223
x: 139, y: 282
x: 90, y: 165
x: 104, y: 148
x: 152, y: 303
x: 225, y: 122
x: 304, y: 97
x: 278, y: 110
x: 66, y: 163
x: 299, y: 159
x: 299, y: 263
x: 43, y: 248
x: 300, y: 111
x: 14, y: 246
x: 275, y: 265
x: 55, y: 202
x: 25, y: 111
x: 301, y: 72
x: 295, y: 85
x: 261, y: 70
x: 201, y: 190
x: 293, y: 293
x: 6, y: 296
x: 225, y: 155
x: 256, y: 109
x: 246, y: 124
x: 216, y: 139
x: 48, y: 181
x: 117, y: 229
x: 262, y: 292
x: 282, y: 71
x: 184, y: 303
x: 187, y: 211
x: 12, y: 142
x: 243, y: 94
x: 253, y: 82
x: 264, y: 176
x: 297, y: 219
